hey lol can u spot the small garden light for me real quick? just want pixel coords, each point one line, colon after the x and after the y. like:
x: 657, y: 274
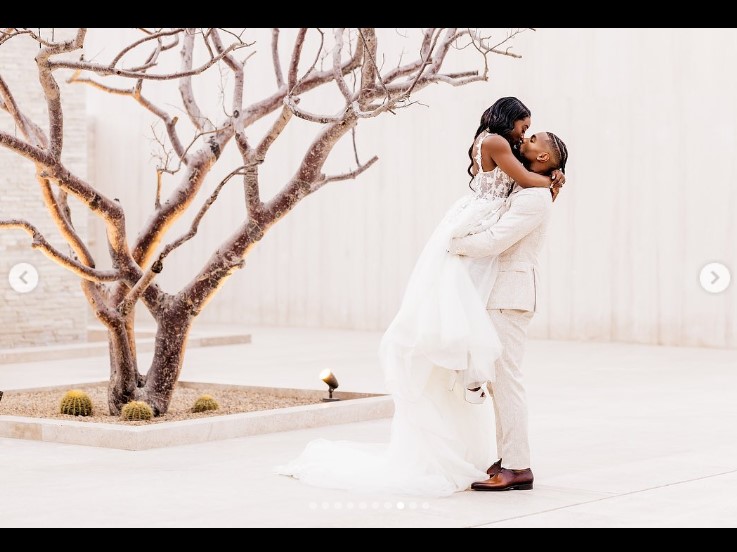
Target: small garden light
x: 329, y: 378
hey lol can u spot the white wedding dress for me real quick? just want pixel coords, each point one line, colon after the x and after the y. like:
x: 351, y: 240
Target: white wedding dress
x: 441, y: 341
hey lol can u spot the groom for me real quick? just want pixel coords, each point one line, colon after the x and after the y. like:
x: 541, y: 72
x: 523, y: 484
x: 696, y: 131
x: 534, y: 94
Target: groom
x: 517, y: 239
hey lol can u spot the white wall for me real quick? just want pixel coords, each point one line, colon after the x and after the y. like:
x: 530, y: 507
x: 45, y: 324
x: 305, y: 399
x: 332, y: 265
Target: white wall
x: 650, y: 121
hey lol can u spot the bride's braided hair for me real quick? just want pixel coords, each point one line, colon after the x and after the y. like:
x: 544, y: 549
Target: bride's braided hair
x: 499, y: 119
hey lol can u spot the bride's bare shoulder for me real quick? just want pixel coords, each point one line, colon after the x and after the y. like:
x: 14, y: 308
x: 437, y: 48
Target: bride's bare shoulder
x: 494, y: 143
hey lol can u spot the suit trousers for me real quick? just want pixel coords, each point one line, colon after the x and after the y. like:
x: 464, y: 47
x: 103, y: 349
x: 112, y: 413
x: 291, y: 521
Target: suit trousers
x: 508, y: 392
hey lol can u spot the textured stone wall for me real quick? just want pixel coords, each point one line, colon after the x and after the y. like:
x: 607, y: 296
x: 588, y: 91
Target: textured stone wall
x: 56, y: 311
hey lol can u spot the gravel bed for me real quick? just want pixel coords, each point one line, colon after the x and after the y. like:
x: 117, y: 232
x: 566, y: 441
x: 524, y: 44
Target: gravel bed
x: 45, y: 404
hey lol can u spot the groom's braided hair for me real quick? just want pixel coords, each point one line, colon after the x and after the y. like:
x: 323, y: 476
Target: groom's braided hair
x: 560, y: 151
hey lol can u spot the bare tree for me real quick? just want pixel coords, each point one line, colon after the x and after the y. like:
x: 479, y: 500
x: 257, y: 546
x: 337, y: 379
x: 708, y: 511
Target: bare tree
x: 350, y: 59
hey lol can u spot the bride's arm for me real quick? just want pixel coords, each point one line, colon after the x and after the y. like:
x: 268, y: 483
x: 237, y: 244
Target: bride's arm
x: 500, y: 151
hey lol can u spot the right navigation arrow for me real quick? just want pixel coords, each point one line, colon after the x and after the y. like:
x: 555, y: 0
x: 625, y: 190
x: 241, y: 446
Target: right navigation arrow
x: 714, y: 277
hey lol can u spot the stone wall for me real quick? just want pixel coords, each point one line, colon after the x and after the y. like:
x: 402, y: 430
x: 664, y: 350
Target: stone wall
x: 56, y: 310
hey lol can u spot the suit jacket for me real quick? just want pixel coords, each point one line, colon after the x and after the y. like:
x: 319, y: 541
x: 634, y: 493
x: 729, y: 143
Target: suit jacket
x: 517, y: 239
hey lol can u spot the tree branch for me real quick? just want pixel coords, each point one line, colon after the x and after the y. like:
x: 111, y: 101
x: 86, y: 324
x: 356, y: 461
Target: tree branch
x: 253, y: 158
x: 275, y: 57
x: 200, y: 164
x: 135, y: 93
x: 51, y: 89
x: 60, y: 213
x: 426, y: 61
x: 337, y: 67
x: 483, y: 44
x: 276, y: 129
x: 57, y: 207
x: 153, y: 58
x: 250, y: 175
x: 455, y: 81
x: 229, y: 255
x: 139, y: 288
x: 369, y: 71
x: 428, y: 41
x: 9, y: 105
x: 34, y: 153
x: 264, y: 107
x: 237, y: 69
x: 28, y: 128
x: 106, y: 70
x: 8, y: 33
x: 442, y: 50
x: 291, y: 104
x: 152, y: 36
x: 314, y: 63
x: 110, y: 211
x: 344, y: 176
x: 40, y: 242
x: 299, y: 43
x: 34, y: 36
x: 63, y: 221
x: 310, y: 168
x: 198, y: 218
x: 200, y: 122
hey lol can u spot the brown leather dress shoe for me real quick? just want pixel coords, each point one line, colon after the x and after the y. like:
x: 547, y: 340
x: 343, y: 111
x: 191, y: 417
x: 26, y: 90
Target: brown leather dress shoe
x: 506, y: 480
x: 495, y: 468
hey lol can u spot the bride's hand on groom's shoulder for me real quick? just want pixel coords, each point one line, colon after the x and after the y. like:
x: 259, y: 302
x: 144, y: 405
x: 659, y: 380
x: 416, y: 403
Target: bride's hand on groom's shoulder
x: 555, y: 190
x: 558, y: 177
x: 558, y: 180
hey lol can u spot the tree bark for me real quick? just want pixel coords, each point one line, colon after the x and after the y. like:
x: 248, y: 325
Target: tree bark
x: 123, y: 386
x: 156, y: 387
x: 171, y: 344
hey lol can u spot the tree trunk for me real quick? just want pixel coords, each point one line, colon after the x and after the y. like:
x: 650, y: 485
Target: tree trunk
x: 123, y: 371
x: 156, y: 387
x: 162, y: 377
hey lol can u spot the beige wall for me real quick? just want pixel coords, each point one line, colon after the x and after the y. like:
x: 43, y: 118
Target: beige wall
x: 55, y: 311
x: 651, y: 124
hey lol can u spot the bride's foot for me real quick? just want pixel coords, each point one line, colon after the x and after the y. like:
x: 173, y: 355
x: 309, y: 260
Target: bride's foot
x: 475, y: 395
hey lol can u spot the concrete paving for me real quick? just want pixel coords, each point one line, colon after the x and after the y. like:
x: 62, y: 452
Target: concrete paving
x: 622, y: 436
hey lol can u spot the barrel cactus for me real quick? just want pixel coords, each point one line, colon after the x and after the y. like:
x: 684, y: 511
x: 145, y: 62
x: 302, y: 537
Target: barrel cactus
x: 76, y: 403
x: 136, y: 411
x: 205, y: 403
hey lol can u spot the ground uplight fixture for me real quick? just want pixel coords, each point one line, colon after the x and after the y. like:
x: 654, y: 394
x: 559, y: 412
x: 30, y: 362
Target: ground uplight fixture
x: 332, y: 382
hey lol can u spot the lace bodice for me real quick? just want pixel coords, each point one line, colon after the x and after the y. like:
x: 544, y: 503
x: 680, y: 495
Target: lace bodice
x: 491, y: 184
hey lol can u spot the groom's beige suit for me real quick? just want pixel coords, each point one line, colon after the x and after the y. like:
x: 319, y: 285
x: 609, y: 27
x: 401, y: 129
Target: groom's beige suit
x: 517, y: 239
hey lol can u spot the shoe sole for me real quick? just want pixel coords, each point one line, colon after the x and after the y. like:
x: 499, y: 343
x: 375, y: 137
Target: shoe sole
x: 525, y: 487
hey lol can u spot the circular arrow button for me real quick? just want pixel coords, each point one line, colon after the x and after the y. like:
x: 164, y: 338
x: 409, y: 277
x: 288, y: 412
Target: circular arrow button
x: 23, y: 277
x: 715, y: 277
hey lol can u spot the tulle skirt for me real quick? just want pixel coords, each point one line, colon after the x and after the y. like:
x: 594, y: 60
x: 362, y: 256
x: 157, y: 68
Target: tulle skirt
x: 439, y: 444
x: 441, y: 340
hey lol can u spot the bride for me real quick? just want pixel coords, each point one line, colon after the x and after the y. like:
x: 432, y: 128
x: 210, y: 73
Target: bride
x: 441, y: 346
